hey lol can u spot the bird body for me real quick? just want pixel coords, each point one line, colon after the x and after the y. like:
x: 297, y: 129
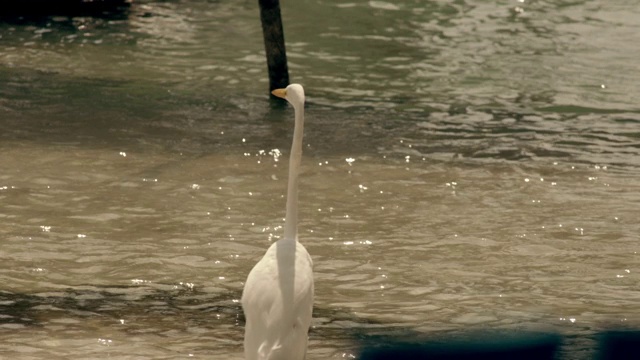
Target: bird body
x: 278, y: 309
x: 278, y: 295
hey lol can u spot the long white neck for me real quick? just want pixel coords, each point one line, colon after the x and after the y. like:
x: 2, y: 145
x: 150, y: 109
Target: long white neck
x: 291, y: 219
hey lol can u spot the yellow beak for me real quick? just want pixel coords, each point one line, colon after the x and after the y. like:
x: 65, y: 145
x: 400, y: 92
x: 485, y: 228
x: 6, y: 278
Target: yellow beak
x: 281, y: 93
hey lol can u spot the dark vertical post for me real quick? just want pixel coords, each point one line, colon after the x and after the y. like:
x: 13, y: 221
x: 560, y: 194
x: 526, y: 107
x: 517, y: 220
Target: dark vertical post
x: 274, y: 43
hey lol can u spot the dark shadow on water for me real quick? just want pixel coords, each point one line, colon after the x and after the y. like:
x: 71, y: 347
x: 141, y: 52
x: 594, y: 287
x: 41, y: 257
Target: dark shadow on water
x: 468, y: 346
x: 48, y: 107
x: 19, y: 11
x: 178, y: 307
x: 116, y: 302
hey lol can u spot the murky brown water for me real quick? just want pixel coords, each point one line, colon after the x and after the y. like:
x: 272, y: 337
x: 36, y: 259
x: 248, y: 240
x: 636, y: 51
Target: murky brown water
x: 469, y: 166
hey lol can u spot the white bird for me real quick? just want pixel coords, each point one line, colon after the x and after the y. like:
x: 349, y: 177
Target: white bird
x: 278, y: 295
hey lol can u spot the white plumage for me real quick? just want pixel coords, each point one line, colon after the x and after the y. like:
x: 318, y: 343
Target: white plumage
x: 278, y: 295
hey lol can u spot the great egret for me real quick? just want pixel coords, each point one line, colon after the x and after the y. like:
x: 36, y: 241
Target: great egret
x: 278, y: 295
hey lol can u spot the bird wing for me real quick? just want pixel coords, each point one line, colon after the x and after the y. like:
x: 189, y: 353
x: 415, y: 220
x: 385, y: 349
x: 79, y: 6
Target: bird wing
x: 278, y: 316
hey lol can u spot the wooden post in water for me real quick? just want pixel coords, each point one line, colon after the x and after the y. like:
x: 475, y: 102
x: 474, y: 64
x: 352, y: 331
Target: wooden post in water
x: 274, y: 44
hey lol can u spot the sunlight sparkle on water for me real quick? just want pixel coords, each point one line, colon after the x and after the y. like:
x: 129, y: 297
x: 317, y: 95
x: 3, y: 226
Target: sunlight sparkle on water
x: 186, y: 284
x: 572, y: 320
x: 362, y: 242
x: 140, y: 281
x: 276, y: 154
x: 106, y: 342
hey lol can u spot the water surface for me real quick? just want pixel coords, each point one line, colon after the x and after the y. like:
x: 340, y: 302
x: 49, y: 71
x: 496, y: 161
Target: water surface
x: 468, y: 166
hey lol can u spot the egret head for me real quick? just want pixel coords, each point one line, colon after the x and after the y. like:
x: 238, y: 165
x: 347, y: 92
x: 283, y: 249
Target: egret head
x: 293, y: 93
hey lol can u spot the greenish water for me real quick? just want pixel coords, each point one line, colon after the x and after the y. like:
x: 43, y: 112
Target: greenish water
x: 468, y: 165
